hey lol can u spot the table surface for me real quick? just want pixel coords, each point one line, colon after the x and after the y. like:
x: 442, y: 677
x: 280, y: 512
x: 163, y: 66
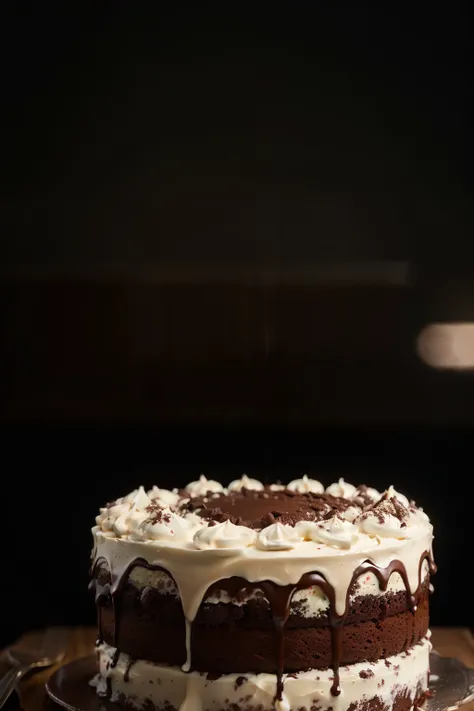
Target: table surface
x: 448, y: 641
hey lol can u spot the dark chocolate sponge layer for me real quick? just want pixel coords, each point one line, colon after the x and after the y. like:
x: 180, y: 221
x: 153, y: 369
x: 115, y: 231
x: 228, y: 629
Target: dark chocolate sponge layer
x: 232, y: 638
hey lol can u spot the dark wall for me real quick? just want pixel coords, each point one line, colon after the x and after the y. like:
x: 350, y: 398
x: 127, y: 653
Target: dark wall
x: 151, y: 135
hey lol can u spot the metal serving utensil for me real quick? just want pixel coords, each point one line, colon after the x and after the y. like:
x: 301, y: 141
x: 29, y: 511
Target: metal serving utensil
x: 34, y: 652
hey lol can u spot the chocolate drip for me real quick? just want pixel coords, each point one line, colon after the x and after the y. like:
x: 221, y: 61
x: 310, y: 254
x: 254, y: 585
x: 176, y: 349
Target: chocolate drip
x: 115, y: 658
x: 279, y: 598
x: 101, y: 594
x: 335, y: 621
x: 108, y: 689
x: 126, y: 676
x: 383, y: 576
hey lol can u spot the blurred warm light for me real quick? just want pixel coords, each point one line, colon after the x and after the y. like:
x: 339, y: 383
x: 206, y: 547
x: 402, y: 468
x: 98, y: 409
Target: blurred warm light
x: 447, y: 345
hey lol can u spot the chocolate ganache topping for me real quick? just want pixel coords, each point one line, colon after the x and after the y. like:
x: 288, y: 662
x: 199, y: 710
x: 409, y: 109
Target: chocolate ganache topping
x: 258, y: 509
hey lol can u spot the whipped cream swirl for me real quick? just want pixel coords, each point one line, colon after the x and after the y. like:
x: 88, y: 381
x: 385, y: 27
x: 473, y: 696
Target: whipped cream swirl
x: 306, y: 486
x: 203, y: 486
x: 392, y: 493
x: 141, y: 518
x: 171, y: 498
x: 278, y: 537
x: 335, y: 532
x: 365, y: 495
x: 170, y: 528
x: 389, y: 517
x: 224, y: 535
x: 351, y: 513
x: 245, y: 483
x: 125, y: 514
x: 342, y: 489
x: 389, y: 527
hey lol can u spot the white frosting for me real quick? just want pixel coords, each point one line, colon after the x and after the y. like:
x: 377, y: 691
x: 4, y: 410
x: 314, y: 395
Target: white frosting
x: 390, y: 527
x: 187, y: 664
x: 194, y: 692
x: 278, y: 537
x: 310, y: 602
x: 245, y: 483
x: 417, y: 517
x: 306, y: 486
x: 203, y: 486
x: 391, y: 492
x: 164, y: 496
x: 141, y: 500
x: 133, y: 520
x: 335, y: 532
x: 282, y: 704
x: 129, y: 498
x: 107, y: 517
x: 381, y: 522
x: 372, y: 493
x: 224, y: 535
x: 126, y: 515
x: 175, y: 530
x: 341, y: 488
x: 144, y: 578
x: 351, y: 513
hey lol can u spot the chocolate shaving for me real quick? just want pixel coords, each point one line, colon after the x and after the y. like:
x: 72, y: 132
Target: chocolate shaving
x: 386, y: 507
x: 361, y: 498
x: 158, y: 514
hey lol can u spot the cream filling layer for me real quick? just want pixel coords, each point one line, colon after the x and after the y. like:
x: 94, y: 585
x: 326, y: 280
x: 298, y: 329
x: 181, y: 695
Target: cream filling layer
x: 311, y: 601
x: 405, y: 673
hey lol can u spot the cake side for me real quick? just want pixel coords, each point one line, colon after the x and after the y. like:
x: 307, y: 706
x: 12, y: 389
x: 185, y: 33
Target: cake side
x: 238, y: 636
x: 253, y: 579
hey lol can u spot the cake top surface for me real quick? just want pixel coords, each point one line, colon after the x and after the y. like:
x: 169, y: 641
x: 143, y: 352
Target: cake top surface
x: 248, y: 514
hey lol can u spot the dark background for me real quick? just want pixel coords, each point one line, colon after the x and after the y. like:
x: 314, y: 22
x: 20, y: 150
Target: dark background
x: 223, y: 233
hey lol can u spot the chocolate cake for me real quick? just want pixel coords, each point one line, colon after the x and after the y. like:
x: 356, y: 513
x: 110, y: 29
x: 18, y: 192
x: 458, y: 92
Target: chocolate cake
x: 253, y: 598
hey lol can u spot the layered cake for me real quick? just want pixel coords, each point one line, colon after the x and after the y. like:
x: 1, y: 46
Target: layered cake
x: 252, y: 598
